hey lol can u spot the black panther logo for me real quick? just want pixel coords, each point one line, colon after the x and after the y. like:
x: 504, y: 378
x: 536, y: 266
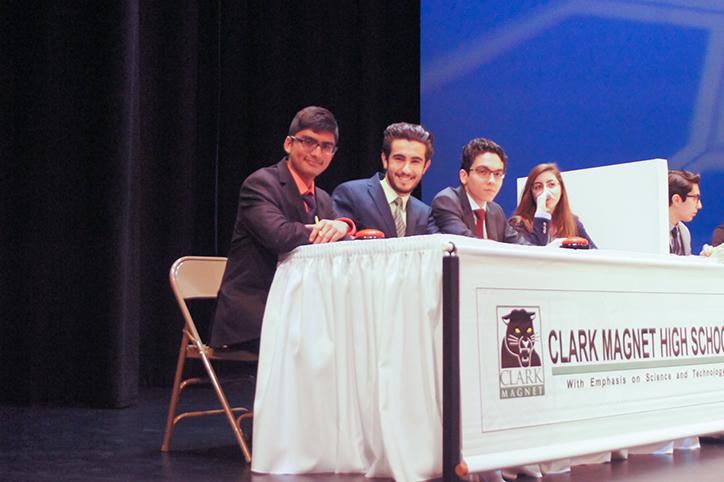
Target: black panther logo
x: 518, y: 347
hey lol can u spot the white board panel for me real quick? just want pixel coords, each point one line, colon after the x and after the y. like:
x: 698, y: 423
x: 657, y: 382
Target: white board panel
x: 622, y: 206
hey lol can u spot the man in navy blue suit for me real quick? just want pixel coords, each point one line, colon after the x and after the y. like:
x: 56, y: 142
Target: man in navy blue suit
x: 384, y: 201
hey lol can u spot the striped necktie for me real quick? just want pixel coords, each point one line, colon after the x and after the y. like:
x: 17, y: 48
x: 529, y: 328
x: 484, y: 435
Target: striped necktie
x: 675, y: 242
x: 399, y: 217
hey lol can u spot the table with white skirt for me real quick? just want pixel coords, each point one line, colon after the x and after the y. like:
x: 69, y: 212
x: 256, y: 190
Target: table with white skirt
x: 350, y: 367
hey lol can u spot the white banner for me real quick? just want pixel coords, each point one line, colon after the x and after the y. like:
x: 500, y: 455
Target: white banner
x: 565, y: 353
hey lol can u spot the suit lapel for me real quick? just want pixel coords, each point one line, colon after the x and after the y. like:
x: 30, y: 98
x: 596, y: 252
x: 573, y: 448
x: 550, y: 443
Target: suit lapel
x: 417, y: 215
x: 383, y: 209
x: 495, y: 222
x: 291, y: 194
x: 491, y: 226
x: 411, y: 218
x: 324, y: 208
x: 468, y: 217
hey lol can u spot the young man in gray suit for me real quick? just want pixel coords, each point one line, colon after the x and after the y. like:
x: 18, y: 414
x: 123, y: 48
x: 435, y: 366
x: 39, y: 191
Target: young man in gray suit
x: 684, y: 203
x: 384, y: 202
x: 469, y: 210
x: 280, y: 208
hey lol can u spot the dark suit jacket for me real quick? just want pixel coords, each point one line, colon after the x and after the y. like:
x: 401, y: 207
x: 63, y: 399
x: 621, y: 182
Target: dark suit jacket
x: 363, y: 200
x: 581, y: 230
x: 270, y: 221
x: 717, y: 237
x: 453, y: 215
x: 533, y: 238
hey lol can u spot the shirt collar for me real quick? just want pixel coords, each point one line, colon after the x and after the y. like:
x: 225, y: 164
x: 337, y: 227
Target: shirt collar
x: 391, y: 194
x: 473, y: 204
x: 301, y: 187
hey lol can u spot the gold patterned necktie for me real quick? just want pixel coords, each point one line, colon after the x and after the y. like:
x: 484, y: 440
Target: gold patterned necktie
x: 399, y: 217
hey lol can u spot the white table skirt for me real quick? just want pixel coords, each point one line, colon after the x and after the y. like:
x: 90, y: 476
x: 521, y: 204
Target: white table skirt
x: 349, y: 377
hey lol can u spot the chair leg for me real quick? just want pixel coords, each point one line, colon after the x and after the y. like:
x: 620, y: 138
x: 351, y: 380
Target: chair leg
x: 238, y: 434
x: 175, y: 393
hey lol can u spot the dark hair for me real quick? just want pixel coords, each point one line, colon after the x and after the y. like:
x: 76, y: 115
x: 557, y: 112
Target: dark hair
x: 315, y: 118
x: 680, y: 182
x: 562, y: 220
x: 478, y: 146
x: 411, y: 132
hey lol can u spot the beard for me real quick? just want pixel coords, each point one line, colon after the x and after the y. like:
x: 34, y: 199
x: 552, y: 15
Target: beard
x: 399, y: 189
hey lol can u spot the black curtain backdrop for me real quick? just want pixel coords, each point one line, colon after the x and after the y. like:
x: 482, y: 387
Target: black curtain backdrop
x: 127, y: 131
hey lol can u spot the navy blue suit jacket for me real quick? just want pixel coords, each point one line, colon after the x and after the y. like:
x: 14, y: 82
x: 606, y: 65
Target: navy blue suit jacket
x: 270, y: 221
x: 363, y: 201
x: 533, y: 238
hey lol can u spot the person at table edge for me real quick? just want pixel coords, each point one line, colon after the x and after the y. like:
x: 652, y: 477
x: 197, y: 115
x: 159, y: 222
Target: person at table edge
x: 684, y: 204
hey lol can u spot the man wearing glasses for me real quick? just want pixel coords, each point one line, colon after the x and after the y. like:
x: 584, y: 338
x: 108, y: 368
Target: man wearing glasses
x: 385, y: 202
x: 280, y: 208
x: 684, y: 203
x: 469, y: 210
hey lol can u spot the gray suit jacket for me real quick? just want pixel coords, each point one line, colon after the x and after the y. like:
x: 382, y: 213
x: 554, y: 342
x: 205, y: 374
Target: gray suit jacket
x: 453, y: 215
x: 363, y: 201
x: 685, y: 238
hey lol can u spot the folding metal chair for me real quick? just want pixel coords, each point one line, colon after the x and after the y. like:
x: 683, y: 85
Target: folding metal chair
x: 199, y: 277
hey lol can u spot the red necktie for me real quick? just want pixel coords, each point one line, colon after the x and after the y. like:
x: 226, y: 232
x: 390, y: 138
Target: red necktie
x: 479, y: 222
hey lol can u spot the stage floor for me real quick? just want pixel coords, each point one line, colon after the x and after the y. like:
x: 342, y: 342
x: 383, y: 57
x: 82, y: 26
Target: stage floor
x: 50, y: 443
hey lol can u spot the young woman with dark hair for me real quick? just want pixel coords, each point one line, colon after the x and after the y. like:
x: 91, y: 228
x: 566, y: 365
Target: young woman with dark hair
x: 544, y: 192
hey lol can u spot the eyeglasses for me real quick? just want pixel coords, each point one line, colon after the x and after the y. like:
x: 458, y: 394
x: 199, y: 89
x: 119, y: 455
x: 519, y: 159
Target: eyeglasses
x: 551, y: 185
x: 309, y: 144
x: 695, y: 197
x: 485, y: 173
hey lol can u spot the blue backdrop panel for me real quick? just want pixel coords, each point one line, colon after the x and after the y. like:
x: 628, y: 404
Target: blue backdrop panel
x: 580, y: 83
